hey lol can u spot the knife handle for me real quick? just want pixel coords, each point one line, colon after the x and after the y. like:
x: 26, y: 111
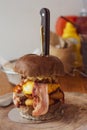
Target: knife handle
x: 45, y: 29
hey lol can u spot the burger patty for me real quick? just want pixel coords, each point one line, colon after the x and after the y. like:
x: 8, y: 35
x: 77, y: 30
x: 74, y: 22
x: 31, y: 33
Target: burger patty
x: 39, y: 96
x: 54, y: 97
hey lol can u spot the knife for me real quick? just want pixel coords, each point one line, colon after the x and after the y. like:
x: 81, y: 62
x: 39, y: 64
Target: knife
x: 45, y: 30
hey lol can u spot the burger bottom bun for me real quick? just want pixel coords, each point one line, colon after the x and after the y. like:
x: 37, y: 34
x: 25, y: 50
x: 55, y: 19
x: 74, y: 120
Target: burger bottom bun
x: 26, y: 112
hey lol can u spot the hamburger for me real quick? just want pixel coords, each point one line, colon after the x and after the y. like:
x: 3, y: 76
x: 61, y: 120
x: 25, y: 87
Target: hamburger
x: 39, y: 93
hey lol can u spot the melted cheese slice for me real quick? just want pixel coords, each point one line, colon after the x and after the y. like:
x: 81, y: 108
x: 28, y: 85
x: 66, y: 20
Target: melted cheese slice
x: 52, y: 87
x: 28, y: 87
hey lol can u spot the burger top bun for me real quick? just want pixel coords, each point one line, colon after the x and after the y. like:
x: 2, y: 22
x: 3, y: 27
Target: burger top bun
x: 32, y: 65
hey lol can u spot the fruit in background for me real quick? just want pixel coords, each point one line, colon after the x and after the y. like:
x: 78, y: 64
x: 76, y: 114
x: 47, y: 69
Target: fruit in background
x: 60, y: 23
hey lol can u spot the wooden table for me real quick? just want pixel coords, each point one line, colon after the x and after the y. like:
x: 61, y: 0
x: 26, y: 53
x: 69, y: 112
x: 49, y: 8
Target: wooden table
x: 68, y: 84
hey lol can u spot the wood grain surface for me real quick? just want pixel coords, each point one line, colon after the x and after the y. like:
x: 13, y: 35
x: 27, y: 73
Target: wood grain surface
x: 5, y: 86
x: 74, y: 83
x: 73, y: 115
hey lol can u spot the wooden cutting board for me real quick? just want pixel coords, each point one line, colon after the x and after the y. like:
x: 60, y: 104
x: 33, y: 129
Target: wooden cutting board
x: 5, y: 86
x: 72, y: 116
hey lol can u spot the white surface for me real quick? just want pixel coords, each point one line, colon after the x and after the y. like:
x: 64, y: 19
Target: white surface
x: 20, y: 23
x: 12, y: 76
x: 6, y: 99
x: 15, y: 116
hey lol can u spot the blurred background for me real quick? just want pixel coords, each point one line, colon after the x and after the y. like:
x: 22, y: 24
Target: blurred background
x: 20, y: 23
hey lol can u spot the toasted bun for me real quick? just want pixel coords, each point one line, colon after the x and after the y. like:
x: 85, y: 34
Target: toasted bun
x: 32, y: 65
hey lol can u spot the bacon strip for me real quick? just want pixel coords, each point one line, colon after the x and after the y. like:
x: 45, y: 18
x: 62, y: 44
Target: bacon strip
x: 41, y: 99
